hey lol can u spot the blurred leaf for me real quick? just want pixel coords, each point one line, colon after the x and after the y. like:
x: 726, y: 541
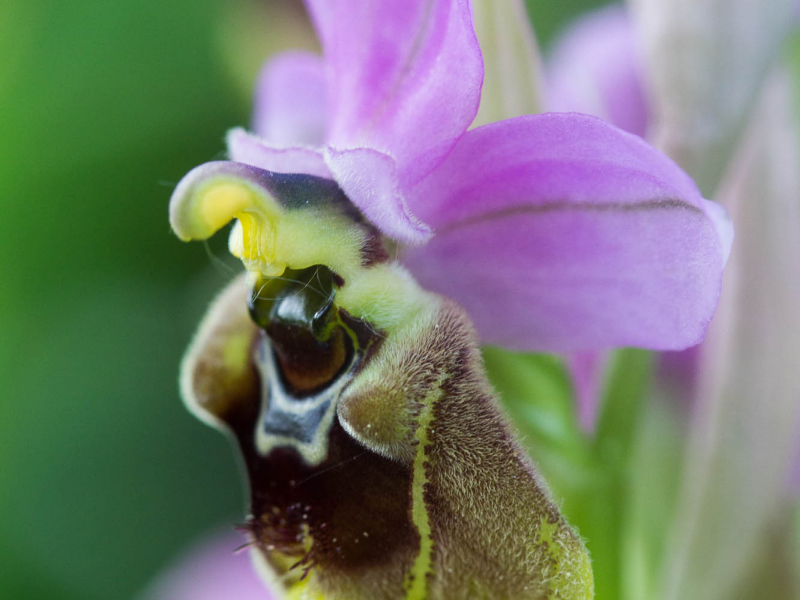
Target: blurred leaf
x: 22, y: 581
x: 628, y: 382
x: 796, y: 543
x: 606, y: 500
x: 536, y: 390
x: 653, y: 483
x: 103, y: 474
x: 110, y: 473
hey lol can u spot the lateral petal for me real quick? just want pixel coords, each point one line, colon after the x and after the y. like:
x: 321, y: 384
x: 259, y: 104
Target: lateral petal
x: 290, y: 107
x: 247, y: 148
x: 403, y: 76
x: 371, y: 181
x: 551, y: 248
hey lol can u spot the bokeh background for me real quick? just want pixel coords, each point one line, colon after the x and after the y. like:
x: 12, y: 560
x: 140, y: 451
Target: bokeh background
x: 104, y: 477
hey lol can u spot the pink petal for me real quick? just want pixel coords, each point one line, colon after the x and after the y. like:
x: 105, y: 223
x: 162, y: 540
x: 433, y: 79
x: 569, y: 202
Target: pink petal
x: 290, y: 104
x: 247, y: 148
x: 211, y: 570
x: 595, y: 68
x: 403, y: 77
x: 561, y: 232
x: 541, y: 159
x: 370, y: 179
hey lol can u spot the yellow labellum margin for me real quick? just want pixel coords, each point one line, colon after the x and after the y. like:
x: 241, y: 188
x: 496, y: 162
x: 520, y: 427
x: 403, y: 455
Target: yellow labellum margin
x: 380, y: 465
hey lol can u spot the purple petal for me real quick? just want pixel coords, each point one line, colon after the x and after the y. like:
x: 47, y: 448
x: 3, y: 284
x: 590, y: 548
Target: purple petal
x: 368, y: 177
x: 541, y: 159
x: 561, y: 232
x: 404, y: 77
x: 370, y: 180
x: 211, y: 570
x: 595, y: 68
x: 290, y: 100
x: 246, y: 148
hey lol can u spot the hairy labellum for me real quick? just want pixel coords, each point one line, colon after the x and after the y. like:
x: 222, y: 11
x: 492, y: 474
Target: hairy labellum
x: 380, y: 466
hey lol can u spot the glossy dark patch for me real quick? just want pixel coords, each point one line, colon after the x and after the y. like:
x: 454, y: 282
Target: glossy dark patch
x: 355, y: 504
x: 298, y: 313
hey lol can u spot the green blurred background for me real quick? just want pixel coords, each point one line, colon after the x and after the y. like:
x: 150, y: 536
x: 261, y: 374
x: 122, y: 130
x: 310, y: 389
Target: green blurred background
x: 103, y: 107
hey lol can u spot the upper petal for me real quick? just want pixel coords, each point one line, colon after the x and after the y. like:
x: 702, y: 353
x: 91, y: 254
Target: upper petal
x: 289, y: 106
x: 403, y: 76
x: 244, y: 147
x: 368, y: 177
x: 372, y: 182
x: 546, y: 158
x: 595, y: 68
x: 561, y: 232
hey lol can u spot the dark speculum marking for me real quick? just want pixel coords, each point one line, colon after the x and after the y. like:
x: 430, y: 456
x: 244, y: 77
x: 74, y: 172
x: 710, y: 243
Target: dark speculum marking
x: 353, y: 505
x: 347, y: 509
x: 292, y: 420
x: 305, y: 357
x: 285, y: 415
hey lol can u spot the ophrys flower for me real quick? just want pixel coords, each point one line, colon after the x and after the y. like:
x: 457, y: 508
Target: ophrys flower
x: 379, y: 462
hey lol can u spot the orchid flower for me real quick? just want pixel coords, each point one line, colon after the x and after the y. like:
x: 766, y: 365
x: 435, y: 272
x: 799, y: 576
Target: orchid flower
x: 746, y: 393
x: 380, y: 465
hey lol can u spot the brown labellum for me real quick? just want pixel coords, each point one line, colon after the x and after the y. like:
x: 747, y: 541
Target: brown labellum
x: 379, y: 463
x: 380, y: 466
